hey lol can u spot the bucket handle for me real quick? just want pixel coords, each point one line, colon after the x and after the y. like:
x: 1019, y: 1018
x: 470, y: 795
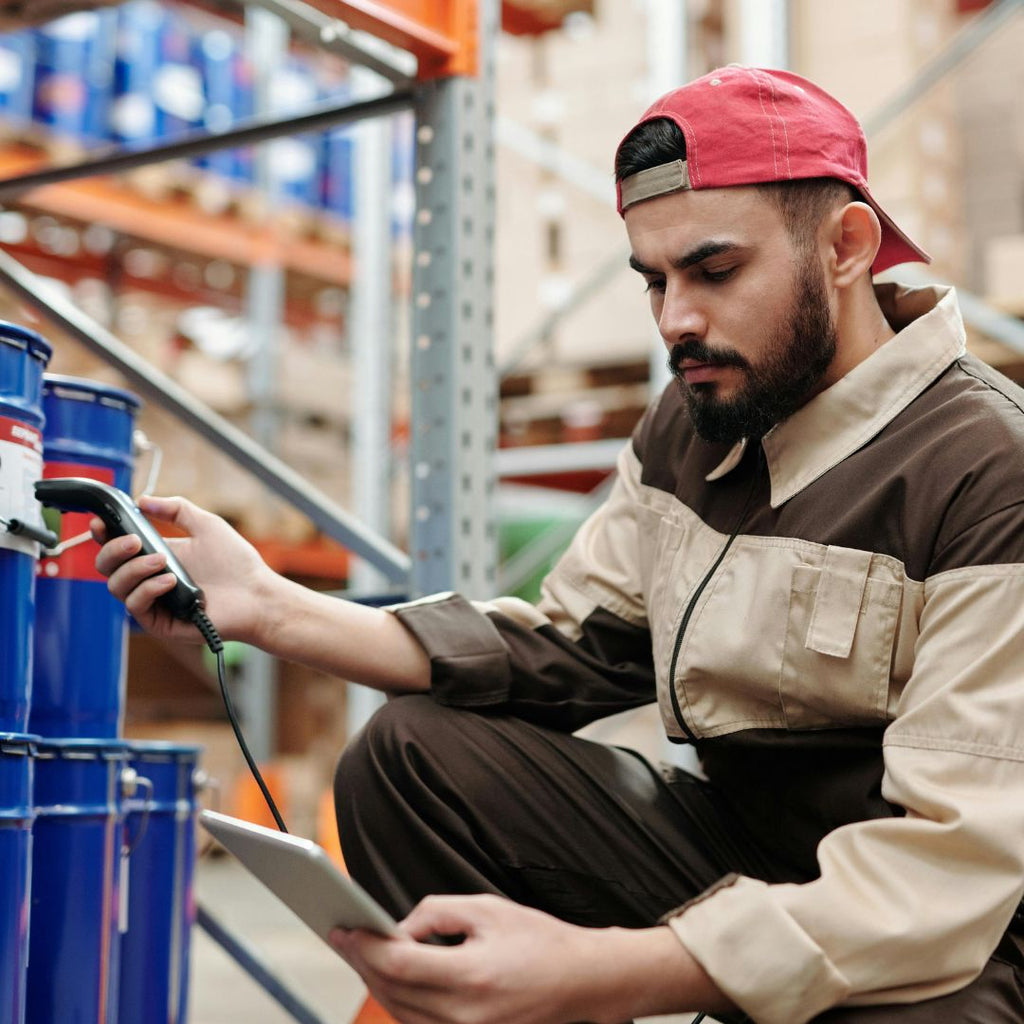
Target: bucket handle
x: 204, y: 783
x: 142, y: 445
x: 65, y: 545
x: 131, y: 783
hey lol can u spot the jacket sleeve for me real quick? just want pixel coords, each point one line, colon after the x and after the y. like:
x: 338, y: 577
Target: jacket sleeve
x: 582, y: 653
x: 911, y: 907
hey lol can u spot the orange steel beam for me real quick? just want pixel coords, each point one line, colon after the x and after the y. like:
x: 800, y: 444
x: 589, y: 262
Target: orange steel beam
x: 441, y: 33
x: 521, y: 21
x: 177, y: 223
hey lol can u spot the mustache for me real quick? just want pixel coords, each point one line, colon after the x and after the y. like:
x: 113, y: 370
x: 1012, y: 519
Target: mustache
x: 702, y: 353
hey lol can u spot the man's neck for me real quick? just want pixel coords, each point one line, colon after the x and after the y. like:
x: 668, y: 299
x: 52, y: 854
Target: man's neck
x: 862, y: 330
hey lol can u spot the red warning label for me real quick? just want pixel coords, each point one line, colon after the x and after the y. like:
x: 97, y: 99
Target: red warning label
x: 16, y: 432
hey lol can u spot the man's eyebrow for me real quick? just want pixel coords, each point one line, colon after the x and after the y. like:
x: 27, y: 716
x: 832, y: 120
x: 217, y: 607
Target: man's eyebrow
x: 702, y: 252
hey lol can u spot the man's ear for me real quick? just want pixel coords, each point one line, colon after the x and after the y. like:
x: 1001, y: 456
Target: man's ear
x: 854, y: 237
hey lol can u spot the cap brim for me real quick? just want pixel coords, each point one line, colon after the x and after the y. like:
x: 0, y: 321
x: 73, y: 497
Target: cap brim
x: 896, y: 247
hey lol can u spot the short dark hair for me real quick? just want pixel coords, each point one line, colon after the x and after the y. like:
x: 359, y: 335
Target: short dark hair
x: 801, y: 202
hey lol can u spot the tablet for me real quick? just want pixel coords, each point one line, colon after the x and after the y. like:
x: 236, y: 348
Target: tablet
x: 301, y: 875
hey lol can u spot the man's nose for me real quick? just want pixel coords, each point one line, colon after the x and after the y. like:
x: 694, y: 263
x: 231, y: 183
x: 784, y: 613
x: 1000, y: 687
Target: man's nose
x: 680, y: 317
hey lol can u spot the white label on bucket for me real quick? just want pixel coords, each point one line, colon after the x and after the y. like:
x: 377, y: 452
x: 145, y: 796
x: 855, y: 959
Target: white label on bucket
x: 21, y: 465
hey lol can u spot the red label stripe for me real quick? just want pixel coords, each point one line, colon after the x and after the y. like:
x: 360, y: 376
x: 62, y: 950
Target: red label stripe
x: 17, y: 432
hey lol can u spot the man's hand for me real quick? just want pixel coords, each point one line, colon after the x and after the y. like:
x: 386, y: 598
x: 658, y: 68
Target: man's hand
x: 247, y: 601
x: 220, y: 561
x: 520, y: 966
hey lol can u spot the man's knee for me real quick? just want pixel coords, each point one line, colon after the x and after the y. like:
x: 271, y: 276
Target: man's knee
x: 391, y: 743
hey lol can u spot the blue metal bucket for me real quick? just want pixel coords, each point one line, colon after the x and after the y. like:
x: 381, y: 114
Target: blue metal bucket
x: 158, y: 90
x: 294, y: 163
x: 17, y: 75
x: 75, y: 73
x: 16, y: 814
x: 161, y: 831
x: 23, y: 357
x: 81, y: 631
x: 228, y: 84
x: 77, y: 857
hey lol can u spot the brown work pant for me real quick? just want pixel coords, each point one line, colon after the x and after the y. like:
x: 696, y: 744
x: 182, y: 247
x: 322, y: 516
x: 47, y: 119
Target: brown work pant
x: 438, y: 800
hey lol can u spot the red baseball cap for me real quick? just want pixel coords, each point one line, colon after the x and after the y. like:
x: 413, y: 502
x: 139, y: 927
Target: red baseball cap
x: 748, y: 126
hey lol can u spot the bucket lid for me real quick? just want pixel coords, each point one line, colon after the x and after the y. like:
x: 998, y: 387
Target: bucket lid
x: 82, y: 749
x: 24, y: 337
x: 162, y: 750
x: 17, y: 743
x: 82, y: 390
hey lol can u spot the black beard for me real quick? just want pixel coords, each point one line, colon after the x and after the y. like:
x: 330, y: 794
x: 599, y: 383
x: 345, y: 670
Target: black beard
x: 796, y: 359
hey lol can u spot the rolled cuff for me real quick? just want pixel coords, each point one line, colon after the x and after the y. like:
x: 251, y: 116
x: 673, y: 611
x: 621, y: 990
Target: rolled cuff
x: 757, y: 954
x: 469, y: 662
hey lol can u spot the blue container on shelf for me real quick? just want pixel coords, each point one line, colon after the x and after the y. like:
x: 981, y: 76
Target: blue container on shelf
x: 161, y: 833
x: 81, y: 631
x: 23, y: 358
x: 338, y: 193
x: 16, y: 816
x: 337, y: 185
x: 337, y: 149
x: 17, y: 76
x: 75, y: 74
x: 158, y: 91
x: 228, y: 87
x: 137, y: 56
x: 77, y: 863
x: 293, y: 164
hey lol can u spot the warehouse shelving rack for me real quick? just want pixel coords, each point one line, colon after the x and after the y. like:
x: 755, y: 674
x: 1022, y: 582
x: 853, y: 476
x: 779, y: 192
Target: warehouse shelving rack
x: 452, y: 543
x: 453, y: 380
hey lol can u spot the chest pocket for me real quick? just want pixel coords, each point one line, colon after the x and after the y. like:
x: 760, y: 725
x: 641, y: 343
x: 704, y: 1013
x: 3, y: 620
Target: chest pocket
x: 840, y: 629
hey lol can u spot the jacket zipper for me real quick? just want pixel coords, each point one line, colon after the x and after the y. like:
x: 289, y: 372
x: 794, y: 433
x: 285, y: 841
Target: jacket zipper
x: 695, y: 597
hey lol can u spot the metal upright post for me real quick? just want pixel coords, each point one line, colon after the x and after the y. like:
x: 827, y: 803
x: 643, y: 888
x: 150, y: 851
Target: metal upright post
x: 668, y: 25
x: 764, y: 33
x: 668, y: 28
x: 453, y: 378
x: 371, y: 343
x: 256, y: 695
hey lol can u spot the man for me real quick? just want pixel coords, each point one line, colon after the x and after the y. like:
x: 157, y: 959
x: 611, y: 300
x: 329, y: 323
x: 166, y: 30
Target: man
x: 813, y: 558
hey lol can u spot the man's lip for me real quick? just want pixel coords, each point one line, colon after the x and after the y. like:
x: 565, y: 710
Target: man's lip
x: 695, y: 372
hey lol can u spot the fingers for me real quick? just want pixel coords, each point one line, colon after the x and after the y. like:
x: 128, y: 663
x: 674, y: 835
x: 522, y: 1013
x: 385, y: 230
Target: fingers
x: 114, y: 553
x: 141, y: 600
x: 179, y: 511
x: 98, y: 530
x: 397, y: 962
x: 138, y: 582
x: 115, y: 556
x: 505, y: 970
x: 380, y: 963
x: 134, y: 579
x: 450, y: 915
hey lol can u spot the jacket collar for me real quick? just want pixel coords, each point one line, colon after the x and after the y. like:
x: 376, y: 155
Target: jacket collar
x: 844, y: 417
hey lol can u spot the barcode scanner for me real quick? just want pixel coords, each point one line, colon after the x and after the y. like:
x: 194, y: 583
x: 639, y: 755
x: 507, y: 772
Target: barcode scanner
x: 121, y: 516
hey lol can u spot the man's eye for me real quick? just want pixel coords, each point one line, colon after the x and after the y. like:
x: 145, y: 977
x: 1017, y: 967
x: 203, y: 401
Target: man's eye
x: 656, y: 284
x: 718, y: 275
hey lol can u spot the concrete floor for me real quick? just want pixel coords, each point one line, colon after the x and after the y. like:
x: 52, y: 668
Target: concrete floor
x: 220, y: 992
